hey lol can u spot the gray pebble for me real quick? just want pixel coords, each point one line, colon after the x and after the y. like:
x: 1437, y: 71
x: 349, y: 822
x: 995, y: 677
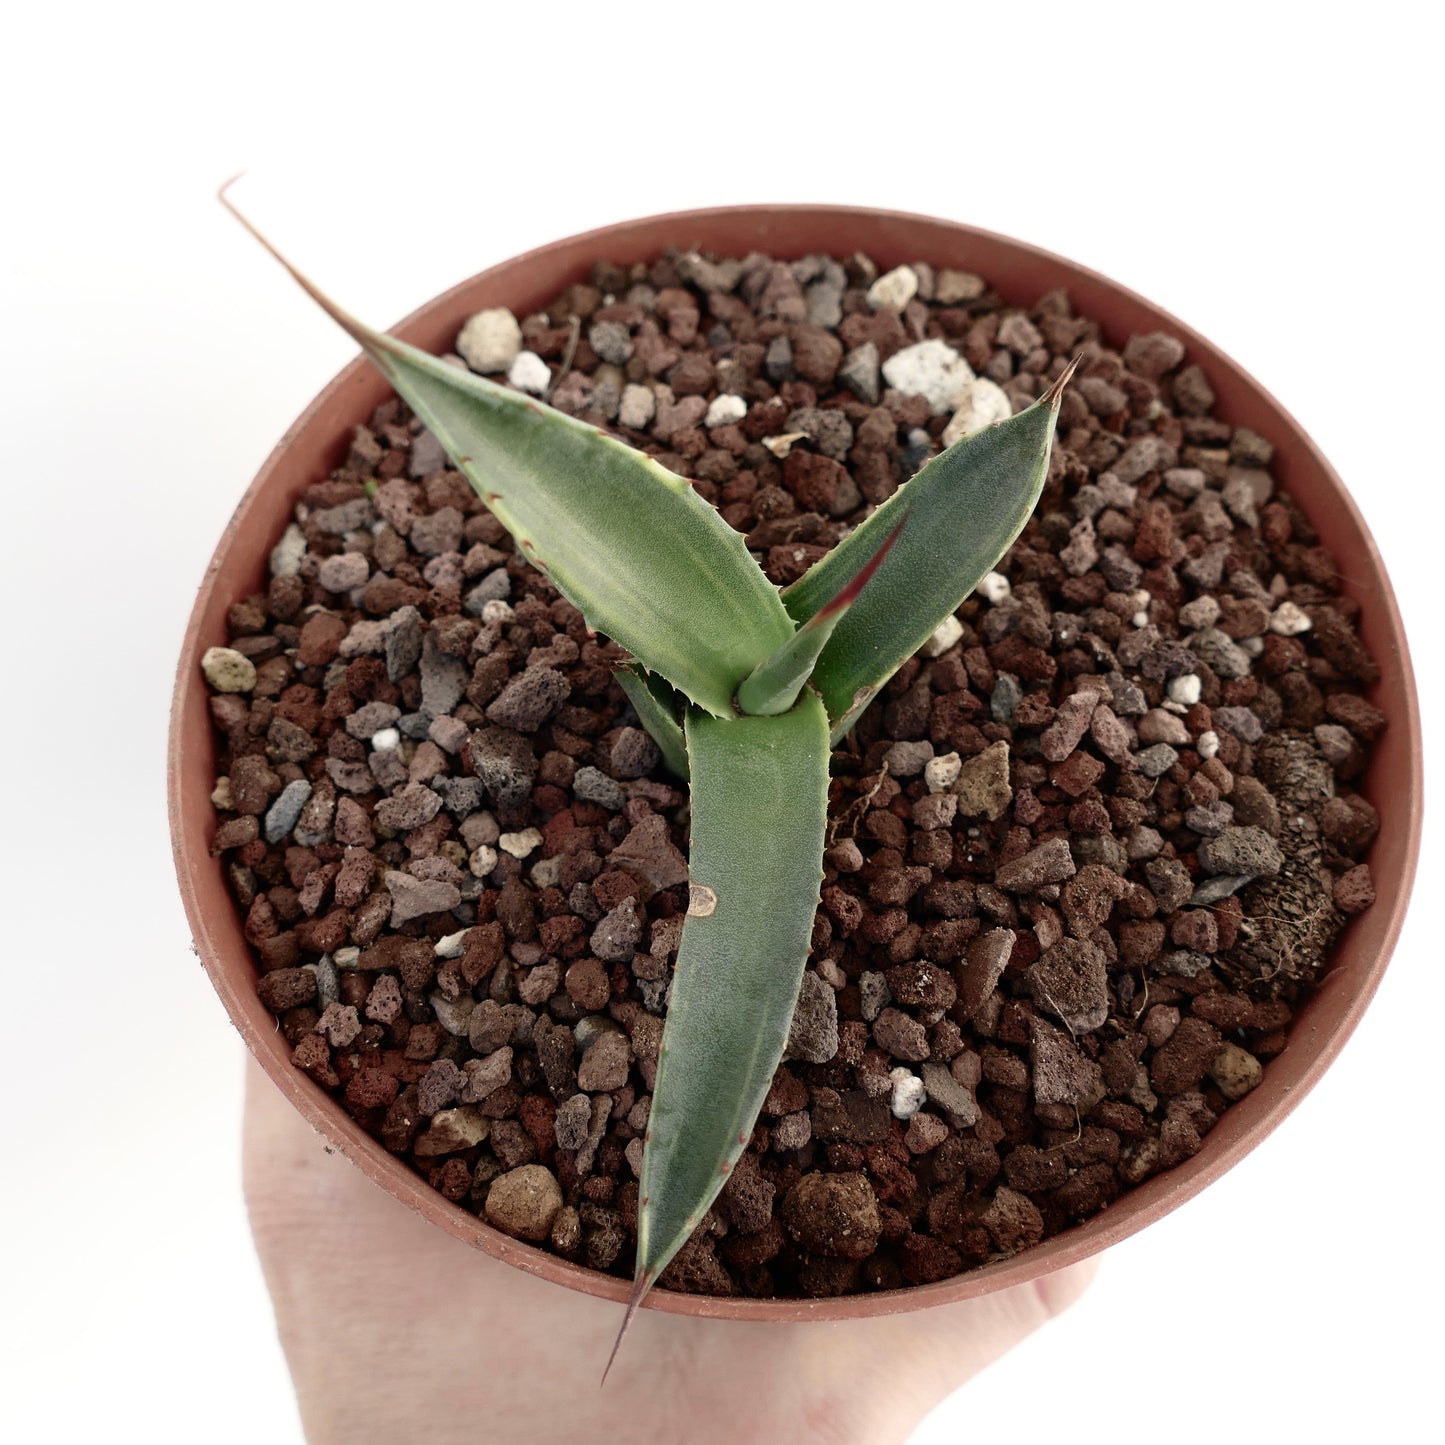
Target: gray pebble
x: 328, y: 985
x: 343, y: 572
x: 1120, y: 570
x: 1006, y: 696
x: 1247, y: 851
x: 1210, y: 818
x: 831, y: 431
x: 1148, y: 454
x: 367, y: 635
x: 605, y: 1065
x: 417, y: 897
x: 404, y: 631
x: 282, y: 815
x: 814, y: 1032
x: 1081, y: 552
x: 1102, y: 848
x: 950, y: 1096
x: 454, y: 1015
x: 907, y: 760
x: 437, y: 532
x: 792, y: 1131
x: 778, y: 360
x: 350, y: 777
x: 1186, y: 482
x: 370, y: 719
x: 1241, y: 721
x: 1170, y: 883
x: 616, y: 938
x: 873, y: 995
x: 611, y: 341
x: 408, y: 809
x: 1071, y: 980
x: 574, y: 1119
x: 860, y: 373
x: 1215, y: 890
x: 633, y: 754
x: 1156, y: 761
x: 350, y: 516
x: 448, y: 733
x: 443, y: 679
x: 1221, y: 652
x: 496, y: 586
x: 1184, y: 963
x: 593, y: 786
x: 1050, y: 862
x: 529, y: 699
x: 1128, y: 698
x: 427, y: 455
x: 505, y: 764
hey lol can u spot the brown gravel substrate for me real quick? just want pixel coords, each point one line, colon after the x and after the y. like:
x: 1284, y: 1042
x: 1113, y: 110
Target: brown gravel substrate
x: 1071, y: 897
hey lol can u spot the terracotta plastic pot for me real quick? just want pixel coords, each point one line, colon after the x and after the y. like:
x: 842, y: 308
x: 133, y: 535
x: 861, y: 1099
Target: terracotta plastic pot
x: 318, y: 441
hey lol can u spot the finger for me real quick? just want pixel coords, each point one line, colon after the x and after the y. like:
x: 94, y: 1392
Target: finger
x: 940, y: 1349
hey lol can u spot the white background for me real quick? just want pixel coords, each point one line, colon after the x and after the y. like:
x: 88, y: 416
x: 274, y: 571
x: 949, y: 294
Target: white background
x: 1263, y: 171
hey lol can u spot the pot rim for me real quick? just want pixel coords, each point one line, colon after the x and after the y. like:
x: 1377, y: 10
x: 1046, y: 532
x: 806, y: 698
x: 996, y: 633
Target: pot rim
x: 1314, y: 1042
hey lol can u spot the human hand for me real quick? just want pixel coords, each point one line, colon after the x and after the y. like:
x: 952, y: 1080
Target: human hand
x: 397, y: 1332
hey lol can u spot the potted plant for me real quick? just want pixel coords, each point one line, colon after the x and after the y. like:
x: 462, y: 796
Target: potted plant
x: 1051, y: 1027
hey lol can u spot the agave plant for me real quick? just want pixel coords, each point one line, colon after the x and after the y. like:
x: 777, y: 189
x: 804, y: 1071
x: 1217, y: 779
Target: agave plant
x: 745, y: 690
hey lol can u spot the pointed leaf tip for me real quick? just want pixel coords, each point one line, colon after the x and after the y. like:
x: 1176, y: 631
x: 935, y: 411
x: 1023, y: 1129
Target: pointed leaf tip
x: 968, y: 505
x: 363, y: 335
x: 1054, y: 392
x: 630, y: 544
x: 640, y: 1287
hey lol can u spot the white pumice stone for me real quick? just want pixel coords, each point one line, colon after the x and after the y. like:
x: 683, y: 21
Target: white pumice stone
x: 725, y: 410
x: 638, y: 406
x: 228, y: 670
x: 895, y: 288
x: 530, y: 373
x: 908, y: 1093
x: 995, y: 587
x: 930, y: 369
x: 286, y: 555
x: 944, y: 636
x: 490, y: 341
x: 1289, y: 620
x: 452, y: 946
x: 982, y: 403
x: 940, y: 774
x: 1184, y: 690
x: 519, y: 845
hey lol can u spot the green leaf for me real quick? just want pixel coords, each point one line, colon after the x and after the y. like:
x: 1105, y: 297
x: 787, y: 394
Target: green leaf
x: 627, y: 542
x: 774, y: 685
x: 964, y: 508
x: 656, y: 705
x: 759, y: 810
